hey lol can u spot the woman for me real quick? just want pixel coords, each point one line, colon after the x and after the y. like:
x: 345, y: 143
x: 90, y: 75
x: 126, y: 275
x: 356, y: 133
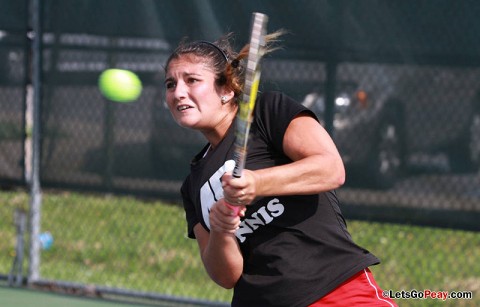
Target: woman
x: 289, y: 245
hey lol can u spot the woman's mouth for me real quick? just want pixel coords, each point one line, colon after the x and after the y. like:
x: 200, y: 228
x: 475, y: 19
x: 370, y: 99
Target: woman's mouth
x: 183, y: 107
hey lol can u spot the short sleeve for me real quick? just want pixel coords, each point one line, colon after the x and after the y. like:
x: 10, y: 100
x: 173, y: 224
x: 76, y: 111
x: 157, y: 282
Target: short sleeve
x: 273, y: 113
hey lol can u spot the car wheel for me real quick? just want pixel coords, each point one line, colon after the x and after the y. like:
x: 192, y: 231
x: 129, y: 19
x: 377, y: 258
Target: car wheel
x: 385, y: 164
x: 465, y: 157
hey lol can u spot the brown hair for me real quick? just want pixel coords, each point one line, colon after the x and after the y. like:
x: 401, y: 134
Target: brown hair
x: 220, y: 56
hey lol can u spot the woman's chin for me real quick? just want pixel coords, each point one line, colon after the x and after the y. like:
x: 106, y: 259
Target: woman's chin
x: 186, y: 123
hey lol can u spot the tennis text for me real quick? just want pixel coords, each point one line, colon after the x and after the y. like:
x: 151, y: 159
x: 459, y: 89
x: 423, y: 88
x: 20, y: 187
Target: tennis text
x: 261, y: 217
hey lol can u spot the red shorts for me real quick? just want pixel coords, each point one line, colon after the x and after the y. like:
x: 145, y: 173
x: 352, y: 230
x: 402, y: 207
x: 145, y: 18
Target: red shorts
x: 359, y: 290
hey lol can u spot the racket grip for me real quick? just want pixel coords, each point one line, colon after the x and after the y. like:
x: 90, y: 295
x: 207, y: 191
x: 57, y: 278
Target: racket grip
x: 229, y: 166
x: 236, y: 209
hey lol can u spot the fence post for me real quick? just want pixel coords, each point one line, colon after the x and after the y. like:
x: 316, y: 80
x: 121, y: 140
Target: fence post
x: 334, y: 42
x: 35, y: 192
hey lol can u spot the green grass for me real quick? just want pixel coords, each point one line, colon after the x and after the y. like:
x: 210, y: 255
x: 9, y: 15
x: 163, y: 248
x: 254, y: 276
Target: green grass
x: 141, y: 245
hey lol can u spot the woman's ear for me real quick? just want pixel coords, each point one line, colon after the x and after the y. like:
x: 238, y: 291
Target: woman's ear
x: 228, y: 95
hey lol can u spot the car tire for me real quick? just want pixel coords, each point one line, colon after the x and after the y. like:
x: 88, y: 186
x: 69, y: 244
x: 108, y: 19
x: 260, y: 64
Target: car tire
x: 386, y: 158
x: 465, y: 156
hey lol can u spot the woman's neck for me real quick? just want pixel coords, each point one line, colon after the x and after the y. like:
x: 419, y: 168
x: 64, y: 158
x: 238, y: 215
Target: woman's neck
x: 216, y: 135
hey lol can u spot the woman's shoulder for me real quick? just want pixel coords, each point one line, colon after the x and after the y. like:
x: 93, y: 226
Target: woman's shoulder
x: 276, y: 105
x: 274, y: 99
x: 273, y: 95
x: 278, y: 101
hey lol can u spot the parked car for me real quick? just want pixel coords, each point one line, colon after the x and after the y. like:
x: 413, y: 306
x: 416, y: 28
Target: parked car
x: 385, y: 115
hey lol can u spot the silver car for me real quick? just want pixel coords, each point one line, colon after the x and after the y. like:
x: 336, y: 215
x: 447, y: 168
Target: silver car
x: 386, y: 116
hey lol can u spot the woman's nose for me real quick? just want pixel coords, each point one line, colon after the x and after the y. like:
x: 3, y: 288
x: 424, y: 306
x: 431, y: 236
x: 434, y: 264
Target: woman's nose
x: 180, y: 90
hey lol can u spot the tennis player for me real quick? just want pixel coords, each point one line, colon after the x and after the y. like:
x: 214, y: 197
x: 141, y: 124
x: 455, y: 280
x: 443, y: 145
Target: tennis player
x: 289, y: 245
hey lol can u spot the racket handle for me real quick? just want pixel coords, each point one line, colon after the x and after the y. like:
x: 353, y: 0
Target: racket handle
x: 229, y: 166
x: 236, y: 209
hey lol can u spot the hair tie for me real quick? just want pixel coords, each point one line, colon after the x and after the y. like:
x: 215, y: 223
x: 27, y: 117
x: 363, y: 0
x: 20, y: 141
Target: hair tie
x: 235, y: 63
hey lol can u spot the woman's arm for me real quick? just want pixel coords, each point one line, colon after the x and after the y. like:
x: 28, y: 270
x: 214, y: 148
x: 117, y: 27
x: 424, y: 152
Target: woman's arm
x: 219, y: 248
x: 316, y: 167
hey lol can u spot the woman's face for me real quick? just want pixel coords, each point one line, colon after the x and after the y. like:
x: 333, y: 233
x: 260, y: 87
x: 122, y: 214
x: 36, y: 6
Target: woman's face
x: 192, y: 95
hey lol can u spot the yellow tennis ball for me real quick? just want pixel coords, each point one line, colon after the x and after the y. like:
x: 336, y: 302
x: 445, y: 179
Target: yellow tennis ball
x: 120, y: 85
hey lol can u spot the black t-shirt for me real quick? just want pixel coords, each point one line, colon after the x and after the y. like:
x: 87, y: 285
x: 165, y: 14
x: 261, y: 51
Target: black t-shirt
x: 295, y: 248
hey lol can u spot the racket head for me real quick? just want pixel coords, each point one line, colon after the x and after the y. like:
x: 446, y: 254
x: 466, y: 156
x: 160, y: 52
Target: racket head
x: 249, y: 96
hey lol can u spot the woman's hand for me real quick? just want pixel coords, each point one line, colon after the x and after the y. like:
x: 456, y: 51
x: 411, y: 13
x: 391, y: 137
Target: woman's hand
x: 225, y: 219
x: 239, y: 191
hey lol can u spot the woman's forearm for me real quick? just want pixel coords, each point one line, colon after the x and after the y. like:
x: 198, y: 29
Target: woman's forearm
x: 219, y: 248
x: 311, y: 175
x: 223, y: 260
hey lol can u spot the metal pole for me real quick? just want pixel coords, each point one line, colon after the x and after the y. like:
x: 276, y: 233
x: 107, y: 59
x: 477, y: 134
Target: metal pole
x: 109, y: 131
x: 330, y: 90
x: 35, y: 192
x: 15, y: 278
x: 335, y: 39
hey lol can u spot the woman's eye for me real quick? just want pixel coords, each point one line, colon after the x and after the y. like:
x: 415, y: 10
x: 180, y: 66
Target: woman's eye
x: 192, y: 80
x: 169, y: 85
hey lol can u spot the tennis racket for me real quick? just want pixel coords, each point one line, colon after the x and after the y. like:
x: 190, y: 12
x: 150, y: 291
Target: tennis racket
x: 249, y: 96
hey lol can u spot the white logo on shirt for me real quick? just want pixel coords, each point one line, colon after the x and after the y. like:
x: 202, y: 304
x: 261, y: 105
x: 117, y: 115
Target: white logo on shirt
x: 212, y: 191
